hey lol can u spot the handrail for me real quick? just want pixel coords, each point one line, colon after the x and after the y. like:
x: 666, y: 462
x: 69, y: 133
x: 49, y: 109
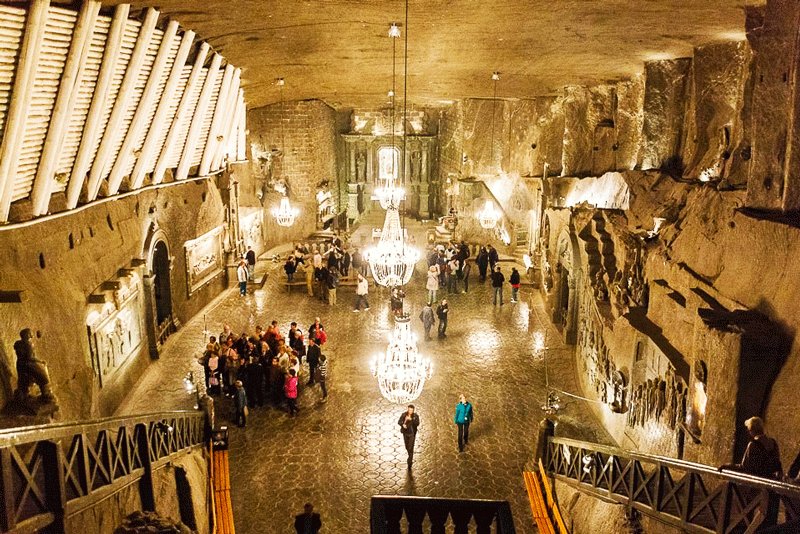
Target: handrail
x: 50, y: 472
x: 387, y: 512
x: 690, y: 496
x: 22, y: 434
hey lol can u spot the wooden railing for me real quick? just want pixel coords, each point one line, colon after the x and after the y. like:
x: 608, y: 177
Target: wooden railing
x: 50, y: 472
x: 398, y: 514
x: 690, y: 496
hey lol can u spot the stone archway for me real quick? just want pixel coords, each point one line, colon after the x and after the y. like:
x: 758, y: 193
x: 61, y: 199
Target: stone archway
x: 157, y: 281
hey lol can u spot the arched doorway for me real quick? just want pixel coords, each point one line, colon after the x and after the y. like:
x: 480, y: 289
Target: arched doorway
x: 161, y: 287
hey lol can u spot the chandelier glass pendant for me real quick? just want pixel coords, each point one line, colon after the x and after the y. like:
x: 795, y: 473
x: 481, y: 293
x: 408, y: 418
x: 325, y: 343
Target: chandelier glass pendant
x: 392, y: 260
x: 389, y: 193
x: 285, y: 214
x: 401, y: 370
x: 489, y: 216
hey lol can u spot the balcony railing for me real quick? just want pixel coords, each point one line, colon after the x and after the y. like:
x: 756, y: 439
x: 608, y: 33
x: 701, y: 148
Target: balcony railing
x: 50, y: 472
x: 690, y: 496
x: 398, y: 514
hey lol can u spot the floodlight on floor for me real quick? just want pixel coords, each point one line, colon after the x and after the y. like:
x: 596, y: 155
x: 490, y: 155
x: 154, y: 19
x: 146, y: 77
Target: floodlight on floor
x: 401, y: 370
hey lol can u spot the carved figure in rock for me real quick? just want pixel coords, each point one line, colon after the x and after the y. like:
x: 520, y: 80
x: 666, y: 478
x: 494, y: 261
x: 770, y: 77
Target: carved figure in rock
x: 361, y: 166
x: 31, y: 370
x: 681, y: 404
x: 661, y: 398
x: 416, y: 159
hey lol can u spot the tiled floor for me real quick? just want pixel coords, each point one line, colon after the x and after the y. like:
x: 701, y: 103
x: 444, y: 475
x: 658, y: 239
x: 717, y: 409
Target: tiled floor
x: 340, y: 453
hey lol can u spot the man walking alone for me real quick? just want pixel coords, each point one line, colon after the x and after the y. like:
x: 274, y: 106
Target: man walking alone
x: 362, y: 289
x: 428, y: 320
x: 441, y: 313
x: 242, y: 275
x: 409, y: 423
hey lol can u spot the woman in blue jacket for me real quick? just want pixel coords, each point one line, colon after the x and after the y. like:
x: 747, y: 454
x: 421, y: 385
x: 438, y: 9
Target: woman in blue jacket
x: 463, y: 418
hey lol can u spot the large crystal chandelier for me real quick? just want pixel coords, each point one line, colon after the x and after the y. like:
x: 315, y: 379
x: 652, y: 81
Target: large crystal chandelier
x: 401, y: 370
x: 392, y: 260
x: 285, y: 214
x: 489, y: 216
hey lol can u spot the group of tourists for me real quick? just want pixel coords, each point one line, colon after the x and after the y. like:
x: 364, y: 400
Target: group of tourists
x: 265, y: 367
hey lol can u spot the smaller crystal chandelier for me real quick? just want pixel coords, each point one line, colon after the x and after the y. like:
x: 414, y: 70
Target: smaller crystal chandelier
x: 391, y: 260
x: 401, y: 370
x: 285, y: 214
x: 389, y: 195
x: 489, y: 216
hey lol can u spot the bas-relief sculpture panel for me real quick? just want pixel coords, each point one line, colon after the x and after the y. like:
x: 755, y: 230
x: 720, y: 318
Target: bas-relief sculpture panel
x: 116, y: 333
x: 251, y: 226
x: 204, y: 259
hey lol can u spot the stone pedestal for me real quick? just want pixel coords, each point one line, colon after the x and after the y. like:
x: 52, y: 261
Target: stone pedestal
x: 352, y: 201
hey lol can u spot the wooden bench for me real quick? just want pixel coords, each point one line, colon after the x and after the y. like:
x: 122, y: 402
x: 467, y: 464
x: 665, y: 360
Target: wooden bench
x: 294, y: 283
x: 537, y: 502
x: 223, y: 510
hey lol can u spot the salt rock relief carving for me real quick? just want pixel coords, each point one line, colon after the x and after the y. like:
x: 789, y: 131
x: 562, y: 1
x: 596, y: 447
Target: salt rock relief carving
x: 204, y: 259
x: 662, y: 399
x: 609, y: 382
x: 115, y: 328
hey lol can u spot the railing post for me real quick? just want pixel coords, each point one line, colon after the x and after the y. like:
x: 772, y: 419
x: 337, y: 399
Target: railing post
x: 724, y: 509
x: 55, y: 485
x: 7, y: 512
x: 546, y: 431
x: 146, y: 487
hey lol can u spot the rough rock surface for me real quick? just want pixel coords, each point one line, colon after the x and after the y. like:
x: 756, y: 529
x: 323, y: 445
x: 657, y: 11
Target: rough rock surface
x: 773, y: 127
x: 665, y: 92
x: 628, y: 118
x: 714, y: 126
x: 588, y: 119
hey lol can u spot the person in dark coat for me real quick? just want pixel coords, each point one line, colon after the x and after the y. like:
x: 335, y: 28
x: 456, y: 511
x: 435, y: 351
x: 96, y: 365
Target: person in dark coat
x: 497, y: 285
x: 442, y: 312
x: 762, y: 458
x: 290, y: 267
x: 312, y: 357
x: 240, y: 404
x: 409, y: 424
x: 483, y: 263
x: 494, y: 258
x: 345, y: 262
x: 250, y: 257
x: 255, y: 382
x: 275, y: 375
x: 514, y: 280
x: 308, y: 522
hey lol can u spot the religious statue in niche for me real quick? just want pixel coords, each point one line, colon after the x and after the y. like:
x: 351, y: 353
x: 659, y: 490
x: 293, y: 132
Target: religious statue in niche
x: 696, y: 418
x: 31, y: 371
x: 599, y: 288
x: 361, y: 166
x: 416, y: 164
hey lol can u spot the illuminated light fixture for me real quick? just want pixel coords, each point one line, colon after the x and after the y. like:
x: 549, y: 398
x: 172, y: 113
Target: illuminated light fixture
x: 495, y: 79
x: 285, y: 214
x: 388, y: 193
x: 392, y: 260
x: 489, y: 216
x: 401, y: 370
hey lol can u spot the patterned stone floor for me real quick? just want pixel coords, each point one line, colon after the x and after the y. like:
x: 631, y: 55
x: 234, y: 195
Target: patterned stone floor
x: 340, y: 453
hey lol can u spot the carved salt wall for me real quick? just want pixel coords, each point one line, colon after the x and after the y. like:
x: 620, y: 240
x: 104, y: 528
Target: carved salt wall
x: 56, y: 268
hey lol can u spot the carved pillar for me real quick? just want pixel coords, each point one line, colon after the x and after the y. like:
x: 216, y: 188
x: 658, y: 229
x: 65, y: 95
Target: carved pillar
x: 352, y: 201
x: 407, y: 166
x: 370, y: 164
x: 351, y: 172
x: 424, y: 170
x: 151, y: 327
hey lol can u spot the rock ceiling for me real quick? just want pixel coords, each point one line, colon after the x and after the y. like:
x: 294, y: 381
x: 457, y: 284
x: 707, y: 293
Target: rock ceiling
x: 339, y: 51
